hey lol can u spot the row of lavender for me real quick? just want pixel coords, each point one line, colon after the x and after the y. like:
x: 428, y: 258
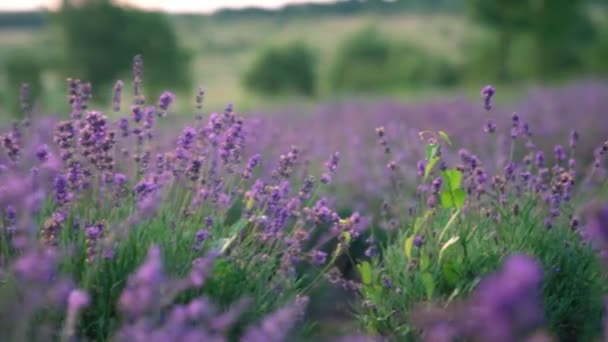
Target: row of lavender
x: 548, y: 114
x: 122, y: 230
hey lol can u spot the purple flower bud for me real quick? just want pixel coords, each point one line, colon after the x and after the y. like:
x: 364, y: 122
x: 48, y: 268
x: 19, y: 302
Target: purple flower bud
x: 165, y: 100
x: 487, y: 93
x: 418, y: 241
x: 386, y: 281
x: 137, y: 113
x: 560, y: 154
x: 573, y: 139
x: 489, y: 127
x: 540, y: 159
x: 120, y: 179
x: 201, y: 236
x: 42, y: 153
x: 318, y: 257
x: 420, y: 167
x: 78, y: 299
x: 436, y: 185
x: 117, y: 95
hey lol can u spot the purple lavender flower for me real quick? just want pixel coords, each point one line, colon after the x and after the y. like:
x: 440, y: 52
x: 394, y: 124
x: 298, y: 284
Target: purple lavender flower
x: 165, y: 100
x: 325, y: 178
x: 120, y: 179
x: 487, y: 93
x: 420, y: 168
x: 489, y: 127
x: 42, y: 153
x: 318, y: 257
x: 275, y: 327
x: 201, y: 236
x: 332, y: 163
x: 540, y: 159
x: 123, y: 125
x: 78, y: 299
x: 38, y: 266
x: 436, y: 185
x: 560, y: 154
x: 208, y: 221
x: 386, y: 281
x: 573, y: 139
x: 418, y: 241
x: 137, y: 113
x: 186, y: 139
x: 116, y: 95
x: 510, y: 301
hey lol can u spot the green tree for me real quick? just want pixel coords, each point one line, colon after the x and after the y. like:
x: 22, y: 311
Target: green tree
x: 507, y: 18
x: 283, y: 70
x: 562, y: 32
x: 102, y: 39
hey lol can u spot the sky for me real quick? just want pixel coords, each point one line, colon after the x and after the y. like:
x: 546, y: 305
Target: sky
x: 165, y: 5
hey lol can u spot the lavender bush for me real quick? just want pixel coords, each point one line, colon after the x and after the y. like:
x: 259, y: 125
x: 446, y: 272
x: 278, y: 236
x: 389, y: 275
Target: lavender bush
x: 116, y: 229
x: 467, y: 217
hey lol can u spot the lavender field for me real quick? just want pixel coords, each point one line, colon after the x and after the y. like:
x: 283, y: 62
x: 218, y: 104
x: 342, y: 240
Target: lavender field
x: 438, y: 221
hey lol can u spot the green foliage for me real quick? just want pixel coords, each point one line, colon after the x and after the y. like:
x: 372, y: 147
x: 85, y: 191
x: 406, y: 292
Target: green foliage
x: 101, y: 50
x: 597, y: 56
x: 367, y: 61
x: 22, y: 67
x: 561, y: 30
x: 573, y: 307
x: 344, y: 7
x: 288, y: 69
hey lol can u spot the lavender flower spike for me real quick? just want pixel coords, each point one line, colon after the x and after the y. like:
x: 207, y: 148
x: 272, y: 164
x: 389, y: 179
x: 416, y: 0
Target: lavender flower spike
x: 487, y: 93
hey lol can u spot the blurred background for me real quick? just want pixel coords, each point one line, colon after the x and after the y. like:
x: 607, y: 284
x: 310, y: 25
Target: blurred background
x: 261, y: 54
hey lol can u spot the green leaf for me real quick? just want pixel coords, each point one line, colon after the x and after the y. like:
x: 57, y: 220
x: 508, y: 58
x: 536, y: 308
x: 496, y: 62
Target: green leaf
x: 445, y: 137
x: 446, y: 200
x: 425, y: 262
x: 365, y: 270
x: 446, y: 245
x: 452, y: 178
x: 459, y: 197
x: 407, y: 246
x: 453, y: 199
x: 430, y: 151
x: 429, y: 284
x: 450, y: 272
x: 429, y: 166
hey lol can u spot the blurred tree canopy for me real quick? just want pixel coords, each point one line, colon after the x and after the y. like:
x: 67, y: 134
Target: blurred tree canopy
x: 346, y: 7
x: 102, y: 39
x: 560, y: 29
x: 289, y: 69
x: 367, y: 61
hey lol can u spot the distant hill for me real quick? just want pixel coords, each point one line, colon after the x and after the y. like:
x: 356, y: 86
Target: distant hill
x: 347, y: 7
